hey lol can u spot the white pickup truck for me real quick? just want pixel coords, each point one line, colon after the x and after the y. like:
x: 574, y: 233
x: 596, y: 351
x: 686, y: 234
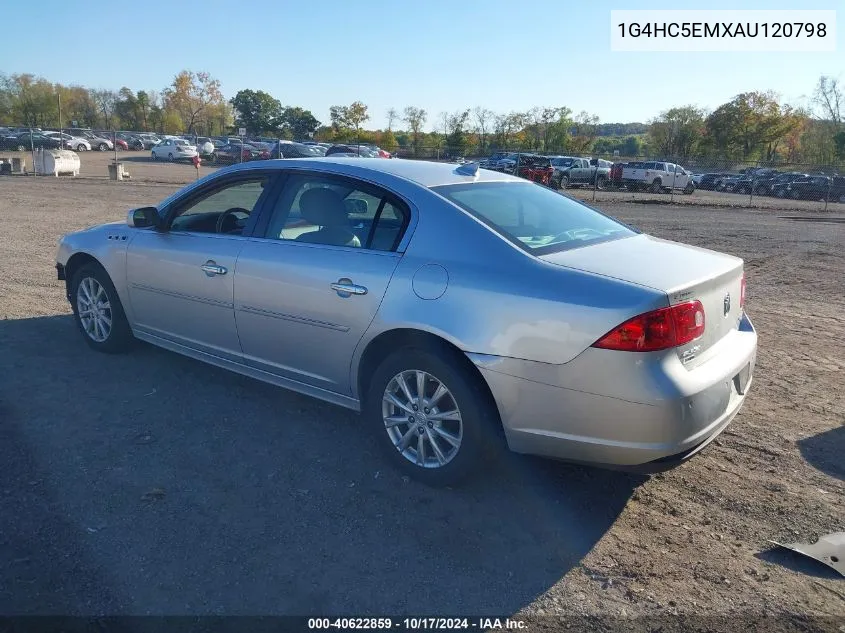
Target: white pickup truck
x: 657, y: 176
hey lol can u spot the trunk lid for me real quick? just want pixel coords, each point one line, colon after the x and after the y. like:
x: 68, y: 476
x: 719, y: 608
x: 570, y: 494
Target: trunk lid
x: 684, y: 273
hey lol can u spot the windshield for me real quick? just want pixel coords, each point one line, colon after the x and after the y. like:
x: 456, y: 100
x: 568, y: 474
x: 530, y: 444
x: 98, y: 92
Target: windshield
x: 534, y: 217
x: 561, y: 162
x: 180, y: 141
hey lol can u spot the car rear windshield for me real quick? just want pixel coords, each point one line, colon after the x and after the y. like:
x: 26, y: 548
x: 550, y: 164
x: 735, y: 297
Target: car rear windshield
x: 534, y: 217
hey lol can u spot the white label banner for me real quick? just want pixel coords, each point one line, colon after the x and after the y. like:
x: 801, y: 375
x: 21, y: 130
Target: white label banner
x: 718, y: 31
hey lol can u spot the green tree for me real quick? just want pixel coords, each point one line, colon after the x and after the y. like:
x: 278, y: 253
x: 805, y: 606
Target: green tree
x: 257, y: 111
x: 415, y: 118
x: 677, y: 132
x: 189, y: 97
x: 296, y: 123
x: 751, y: 124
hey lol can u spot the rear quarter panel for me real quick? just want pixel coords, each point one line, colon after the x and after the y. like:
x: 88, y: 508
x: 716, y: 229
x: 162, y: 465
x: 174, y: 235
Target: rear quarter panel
x: 499, y: 300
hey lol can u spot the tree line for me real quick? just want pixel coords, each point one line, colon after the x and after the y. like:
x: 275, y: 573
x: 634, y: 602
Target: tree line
x: 751, y: 126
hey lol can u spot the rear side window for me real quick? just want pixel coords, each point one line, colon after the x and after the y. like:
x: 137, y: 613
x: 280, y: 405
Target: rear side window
x: 535, y: 218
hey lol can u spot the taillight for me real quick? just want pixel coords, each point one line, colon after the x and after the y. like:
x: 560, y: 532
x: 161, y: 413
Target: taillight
x: 659, y: 329
x: 742, y: 292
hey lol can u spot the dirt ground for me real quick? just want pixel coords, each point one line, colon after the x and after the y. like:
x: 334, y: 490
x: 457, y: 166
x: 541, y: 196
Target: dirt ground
x: 148, y: 483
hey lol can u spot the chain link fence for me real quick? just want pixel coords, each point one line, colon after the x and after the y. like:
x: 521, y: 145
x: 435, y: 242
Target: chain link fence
x: 591, y: 177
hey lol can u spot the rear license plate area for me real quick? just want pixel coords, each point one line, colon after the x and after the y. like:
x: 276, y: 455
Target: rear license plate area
x: 742, y: 378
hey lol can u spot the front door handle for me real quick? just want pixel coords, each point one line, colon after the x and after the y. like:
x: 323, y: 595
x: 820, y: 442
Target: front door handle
x: 211, y: 268
x: 345, y: 288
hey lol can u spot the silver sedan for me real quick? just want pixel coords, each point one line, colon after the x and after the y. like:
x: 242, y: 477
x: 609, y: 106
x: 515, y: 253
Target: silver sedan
x: 458, y: 309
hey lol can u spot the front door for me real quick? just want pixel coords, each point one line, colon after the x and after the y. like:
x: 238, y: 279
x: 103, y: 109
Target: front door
x: 181, y: 280
x: 307, y: 290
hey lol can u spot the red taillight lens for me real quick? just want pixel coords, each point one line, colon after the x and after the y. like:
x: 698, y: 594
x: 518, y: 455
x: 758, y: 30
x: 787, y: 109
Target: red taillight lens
x: 742, y: 292
x: 656, y: 330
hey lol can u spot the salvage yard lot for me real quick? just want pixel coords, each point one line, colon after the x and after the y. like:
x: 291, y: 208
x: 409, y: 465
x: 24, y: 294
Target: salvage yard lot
x: 149, y: 483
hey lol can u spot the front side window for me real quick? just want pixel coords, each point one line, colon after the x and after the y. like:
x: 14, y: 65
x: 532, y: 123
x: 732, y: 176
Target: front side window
x: 225, y: 209
x: 535, y: 218
x: 337, y: 212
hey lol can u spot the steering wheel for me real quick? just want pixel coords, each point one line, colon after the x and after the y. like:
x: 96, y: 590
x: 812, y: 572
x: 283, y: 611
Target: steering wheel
x: 231, y: 216
x: 578, y: 234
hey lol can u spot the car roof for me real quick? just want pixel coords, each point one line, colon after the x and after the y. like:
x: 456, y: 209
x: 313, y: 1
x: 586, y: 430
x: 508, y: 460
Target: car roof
x: 421, y: 172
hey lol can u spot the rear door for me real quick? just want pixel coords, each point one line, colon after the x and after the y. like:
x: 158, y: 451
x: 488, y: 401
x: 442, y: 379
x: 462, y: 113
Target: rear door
x: 309, y: 283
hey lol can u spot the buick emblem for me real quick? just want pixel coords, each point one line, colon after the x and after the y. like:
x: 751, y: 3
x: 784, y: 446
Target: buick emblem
x: 727, y: 304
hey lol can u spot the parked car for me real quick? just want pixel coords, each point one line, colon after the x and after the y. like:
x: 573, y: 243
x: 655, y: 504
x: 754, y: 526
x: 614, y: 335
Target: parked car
x: 536, y: 168
x: 777, y: 186
x: 827, y: 188
x: 569, y: 171
x: 173, y: 150
x: 237, y: 153
x: 121, y: 144
x: 97, y: 142
x: 753, y: 181
x: 500, y: 161
x: 657, y: 176
x: 355, y: 150
x: 727, y: 182
x: 75, y: 143
x: 567, y: 334
x: 29, y: 140
x: 615, y: 175
x: 710, y: 181
x: 295, y: 150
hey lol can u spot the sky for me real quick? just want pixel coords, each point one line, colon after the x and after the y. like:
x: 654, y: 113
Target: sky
x: 441, y: 55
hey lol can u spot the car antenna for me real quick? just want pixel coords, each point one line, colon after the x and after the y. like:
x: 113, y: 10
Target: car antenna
x: 468, y: 169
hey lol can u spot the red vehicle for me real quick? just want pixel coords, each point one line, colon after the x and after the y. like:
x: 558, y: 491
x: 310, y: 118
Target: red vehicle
x: 121, y: 144
x: 615, y: 177
x: 536, y: 168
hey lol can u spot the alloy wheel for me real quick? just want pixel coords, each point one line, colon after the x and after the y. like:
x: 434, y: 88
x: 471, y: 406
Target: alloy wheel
x: 94, y: 309
x: 422, y: 418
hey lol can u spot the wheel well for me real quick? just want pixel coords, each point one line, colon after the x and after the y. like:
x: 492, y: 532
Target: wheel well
x: 387, y: 342
x: 76, y: 262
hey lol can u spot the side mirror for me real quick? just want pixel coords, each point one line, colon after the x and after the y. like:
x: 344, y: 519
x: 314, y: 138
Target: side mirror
x: 143, y: 218
x: 356, y: 206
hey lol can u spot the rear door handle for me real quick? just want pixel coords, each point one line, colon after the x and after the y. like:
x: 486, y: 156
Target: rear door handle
x: 211, y: 268
x: 345, y: 288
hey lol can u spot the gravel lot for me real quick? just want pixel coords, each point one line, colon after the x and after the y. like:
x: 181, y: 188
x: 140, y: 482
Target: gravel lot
x: 153, y: 484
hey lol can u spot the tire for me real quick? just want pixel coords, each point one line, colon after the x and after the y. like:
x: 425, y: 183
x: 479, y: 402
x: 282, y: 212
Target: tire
x: 601, y: 183
x: 795, y: 194
x: 656, y: 186
x: 119, y: 337
x: 21, y: 148
x: 103, y: 147
x: 80, y: 148
x: 170, y: 157
x: 153, y: 156
x: 478, y: 426
x: 564, y: 182
x: 689, y: 189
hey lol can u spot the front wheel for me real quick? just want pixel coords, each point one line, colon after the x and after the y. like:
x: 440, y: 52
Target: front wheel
x: 80, y: 148
x: 102, y: 147
x: 153, y: 156
x: 431, y: 415
x: 170, y: 157
x: 794, y: 194
x: 564, y: 182
x: 98, y: 311
x: 601, y: 183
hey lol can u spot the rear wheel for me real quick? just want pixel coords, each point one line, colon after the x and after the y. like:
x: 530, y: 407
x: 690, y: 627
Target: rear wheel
x: 21, y: 148
x: 153, y: 156
x: 80, y: 148
x: 98, y: 311
x: 689, y: 189
x: 170, y: 157
x: 102, y: 147
x: 656, y: 186
x: 564, y: 182
x: 431, y: 415
x: 795, y: 194
x: 601, y: 183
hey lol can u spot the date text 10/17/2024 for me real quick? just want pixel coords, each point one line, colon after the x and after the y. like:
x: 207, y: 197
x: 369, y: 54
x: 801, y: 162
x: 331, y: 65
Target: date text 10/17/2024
x: 414, y: 624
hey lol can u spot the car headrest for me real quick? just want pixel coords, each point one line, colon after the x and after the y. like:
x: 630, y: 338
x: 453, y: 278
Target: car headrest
x: 324, y: 207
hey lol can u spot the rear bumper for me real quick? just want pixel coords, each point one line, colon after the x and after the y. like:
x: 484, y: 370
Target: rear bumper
x: 642, y: 412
